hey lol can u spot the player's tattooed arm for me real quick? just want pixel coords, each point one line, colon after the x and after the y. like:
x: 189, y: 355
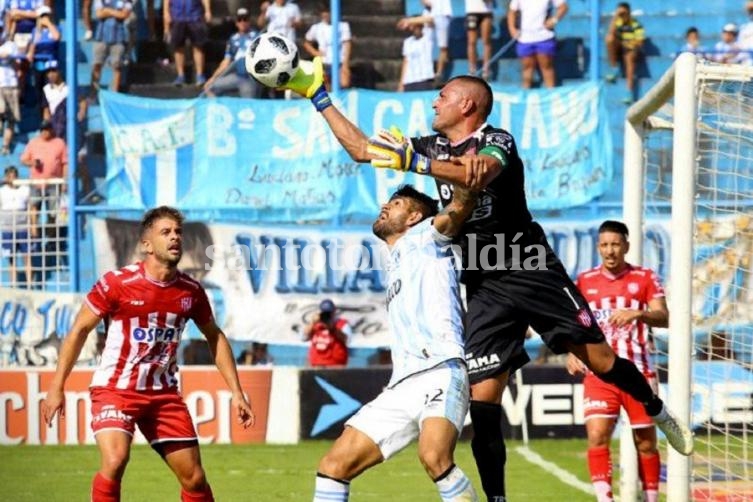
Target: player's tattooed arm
x: 450, y: 219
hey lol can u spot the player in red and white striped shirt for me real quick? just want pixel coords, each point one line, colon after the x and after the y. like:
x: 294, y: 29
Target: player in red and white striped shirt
x: 626, y: 300
x: 145, y: 307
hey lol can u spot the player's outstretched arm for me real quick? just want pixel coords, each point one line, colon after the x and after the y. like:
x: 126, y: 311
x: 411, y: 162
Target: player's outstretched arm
x: 309, y: 83
x: 450, y: 219
x: 54, y: 402
x: 225, y: 362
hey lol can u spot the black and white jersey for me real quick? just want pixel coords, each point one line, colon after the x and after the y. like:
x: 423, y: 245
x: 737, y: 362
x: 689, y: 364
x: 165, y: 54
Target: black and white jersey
x: 501, y: 210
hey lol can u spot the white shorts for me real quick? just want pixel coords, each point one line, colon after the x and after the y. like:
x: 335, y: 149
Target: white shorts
x: 393, y: 419
x: 442, y: 31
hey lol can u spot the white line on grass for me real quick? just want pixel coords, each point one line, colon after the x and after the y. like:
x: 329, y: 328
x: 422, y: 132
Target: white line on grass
x: 557, y: 471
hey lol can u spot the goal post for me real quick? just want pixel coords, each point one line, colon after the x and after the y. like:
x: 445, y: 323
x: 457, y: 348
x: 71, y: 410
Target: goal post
x: 688, y: 171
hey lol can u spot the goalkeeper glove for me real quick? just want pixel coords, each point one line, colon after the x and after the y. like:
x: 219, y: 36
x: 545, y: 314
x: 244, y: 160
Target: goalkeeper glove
x: 394, y: 151
x: 308, y: 82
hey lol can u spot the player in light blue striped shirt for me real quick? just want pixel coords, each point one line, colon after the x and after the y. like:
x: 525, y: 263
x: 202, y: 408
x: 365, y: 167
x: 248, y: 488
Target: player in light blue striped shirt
x: 428, y: 394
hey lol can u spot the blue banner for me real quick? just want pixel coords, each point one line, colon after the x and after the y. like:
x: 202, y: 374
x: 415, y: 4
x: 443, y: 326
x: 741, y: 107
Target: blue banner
x: 277, y: 161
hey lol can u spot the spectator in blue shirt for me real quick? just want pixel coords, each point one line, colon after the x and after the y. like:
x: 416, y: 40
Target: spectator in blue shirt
x: 231, y: 74
x: 110, y: 39
x: 45, y: 41
x: 187, y: 20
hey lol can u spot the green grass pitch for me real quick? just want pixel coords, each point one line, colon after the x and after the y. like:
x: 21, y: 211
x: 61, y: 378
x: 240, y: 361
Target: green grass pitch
x: 273, y: 473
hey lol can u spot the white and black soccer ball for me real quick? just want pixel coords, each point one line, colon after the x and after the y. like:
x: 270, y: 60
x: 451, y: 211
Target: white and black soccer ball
x: 272, y: 59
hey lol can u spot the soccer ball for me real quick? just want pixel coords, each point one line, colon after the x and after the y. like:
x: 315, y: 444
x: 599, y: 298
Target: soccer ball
x: 272, y: 59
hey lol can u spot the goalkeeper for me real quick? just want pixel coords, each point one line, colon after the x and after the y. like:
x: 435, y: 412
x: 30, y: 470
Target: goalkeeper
x: 513, y: 278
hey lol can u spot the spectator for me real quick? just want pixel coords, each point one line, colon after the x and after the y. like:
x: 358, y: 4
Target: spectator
x: 257, y: 356
x: 745, y: 36
x: 10, y: 107
x: 318, y: 42
x: 329, y: 336
x: 43, y: 48
x: 238, y: 79
x: 110, y: 39
x: 21, y: 20
x: 188, y: 20
x: 54, y: 109
x: 627, y: 300
x: 47, y: 156
x: 624, y: 42
x: 417, y: 71
x: 17, y: 225
x: 727, y: 50
x: 479, y: 15
x: 438, y: 15
x: 530, y: 24
x: 693, y: 44
x: 86, y: 14
x: 280, y: 17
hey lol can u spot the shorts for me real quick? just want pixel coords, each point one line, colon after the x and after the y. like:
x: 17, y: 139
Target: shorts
x: 503, y: 304
x: 17, y: 241
x: 442, y: 31
x: 393, y: 419
x: 10, y: 104
x: 473, y: 21
x: 195, y: 31
x: 604, y: 400
x: 112, y: 53
x: 161, y: 416
x: 544, y: 48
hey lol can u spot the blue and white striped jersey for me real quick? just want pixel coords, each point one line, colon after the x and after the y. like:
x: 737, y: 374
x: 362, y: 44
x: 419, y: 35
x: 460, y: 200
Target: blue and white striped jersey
x: 424, y: 307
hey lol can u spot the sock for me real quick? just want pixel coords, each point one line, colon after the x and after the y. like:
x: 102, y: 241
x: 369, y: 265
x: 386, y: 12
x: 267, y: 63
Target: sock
x: 649, y: 467
x: 104, y: 489
x: 600, y: 467
x: 488, y: 448
x: 454, y: 486
x: 331, y: 489
x: 203, y: 496
x: 627, y: 378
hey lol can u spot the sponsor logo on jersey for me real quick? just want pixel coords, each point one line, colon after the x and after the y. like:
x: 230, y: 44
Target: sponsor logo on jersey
x: 156, y: 334
x: 481, y: 363
x: 592, y: 291
x: 185, y: 303
x: 138, y: 303
x: 393, y: 291
x: 584, y: 318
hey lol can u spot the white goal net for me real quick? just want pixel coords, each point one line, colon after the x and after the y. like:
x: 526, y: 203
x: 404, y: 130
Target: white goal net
x: 689, y: 206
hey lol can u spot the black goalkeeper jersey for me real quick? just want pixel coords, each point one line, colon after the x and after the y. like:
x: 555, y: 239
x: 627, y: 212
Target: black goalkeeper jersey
x: 501, y: 211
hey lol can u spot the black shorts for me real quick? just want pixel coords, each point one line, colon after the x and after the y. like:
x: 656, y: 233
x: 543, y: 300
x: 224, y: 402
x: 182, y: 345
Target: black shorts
x: 502, y: 305
x: 473, y: 21
x: 195, y: 31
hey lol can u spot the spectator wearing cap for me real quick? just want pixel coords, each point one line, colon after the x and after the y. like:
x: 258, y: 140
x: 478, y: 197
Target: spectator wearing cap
x: 329, y: 336
x: 624, y: 40
x: 727, y: 50
x: 43, y: 48
x: 47, y: 156
x: 318, y: 42
x: 10, y: 107
x: 745, y: 35
x: 188, y: 20
x: 110, y: 39
x: 231, y: 74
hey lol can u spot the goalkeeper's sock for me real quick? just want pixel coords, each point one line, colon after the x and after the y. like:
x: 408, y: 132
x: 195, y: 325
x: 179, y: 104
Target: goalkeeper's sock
x: 330, y: 489
x: 454, y: 486
x: 104, y: 489
x: 600, y: 468
x: 488, y: 446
